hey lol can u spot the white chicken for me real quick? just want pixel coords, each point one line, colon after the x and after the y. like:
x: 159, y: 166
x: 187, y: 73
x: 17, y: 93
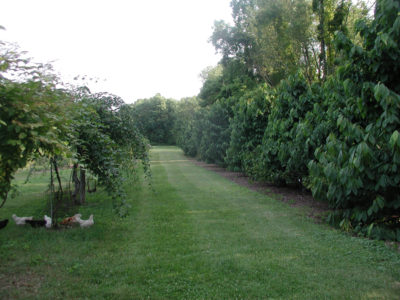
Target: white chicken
x: 20, y: 220
x: 85, y: 223
x: 48, y: 221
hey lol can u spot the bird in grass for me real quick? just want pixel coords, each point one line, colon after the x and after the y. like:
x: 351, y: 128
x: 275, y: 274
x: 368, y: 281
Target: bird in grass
x: 3, y: 223
x: 36, y: 223
x: 85, y: 223
x: 70, y: 220
x: 48, y: 221
x: 20, y: 220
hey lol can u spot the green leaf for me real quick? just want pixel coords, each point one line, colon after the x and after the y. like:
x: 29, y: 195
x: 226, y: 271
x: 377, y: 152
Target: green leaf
x: 384, y: 38
x: 382, y: 182
x: 370, y: 227
x: 364, y: 216
x: 396, y: 203
x: 381, y: 92
x: 370, y: 210
x: 380, y: 201
x: 394, y: 139
x: 13, y: 142
x: 357, y: 161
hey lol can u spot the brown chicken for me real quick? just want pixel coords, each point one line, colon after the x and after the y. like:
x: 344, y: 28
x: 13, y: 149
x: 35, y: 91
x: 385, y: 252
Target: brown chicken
x: 70, y: 220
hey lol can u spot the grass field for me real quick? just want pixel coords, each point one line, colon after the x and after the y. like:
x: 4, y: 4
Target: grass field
x: 194, y: 235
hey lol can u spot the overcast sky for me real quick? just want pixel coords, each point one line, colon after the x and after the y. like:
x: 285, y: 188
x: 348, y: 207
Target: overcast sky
x: 134, y: 48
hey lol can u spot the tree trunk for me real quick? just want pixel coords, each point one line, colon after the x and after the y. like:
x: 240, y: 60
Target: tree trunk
x: 93, y: 189
x: 79, y: 194
x: 82, y: 187
x: 322, y: 38
x: 76, y: 184
x: 4, y: 200
x: 309, y: 69
x: 58, y: 176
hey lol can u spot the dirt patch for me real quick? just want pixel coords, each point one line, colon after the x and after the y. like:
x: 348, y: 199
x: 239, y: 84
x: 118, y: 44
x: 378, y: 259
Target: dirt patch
x: 294, y: 197
x: 26, y: 283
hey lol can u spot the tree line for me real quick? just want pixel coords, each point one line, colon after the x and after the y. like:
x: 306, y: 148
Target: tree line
x: 306, y: 94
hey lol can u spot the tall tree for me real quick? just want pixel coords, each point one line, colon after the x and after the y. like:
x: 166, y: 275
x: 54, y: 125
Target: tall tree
x: 273, y: 38
x: 155, y: 118
x: 332, y: 16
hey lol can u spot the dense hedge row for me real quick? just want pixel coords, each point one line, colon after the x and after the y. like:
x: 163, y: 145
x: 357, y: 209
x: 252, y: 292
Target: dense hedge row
x: 339, y: 137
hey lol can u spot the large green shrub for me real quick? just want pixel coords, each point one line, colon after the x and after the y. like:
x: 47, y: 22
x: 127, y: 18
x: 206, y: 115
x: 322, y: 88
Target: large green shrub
x: 187, y: 129
x: 215, y: 134
x: 34, y: 115
x: 284, y: 160
x: 247, y: 128
x: 207, y: 134
x: 357, y: 170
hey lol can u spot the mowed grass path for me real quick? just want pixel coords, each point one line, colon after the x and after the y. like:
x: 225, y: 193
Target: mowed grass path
x: 194, y: 235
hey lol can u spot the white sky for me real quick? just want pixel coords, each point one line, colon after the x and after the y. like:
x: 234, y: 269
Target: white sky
x: 135, y: 48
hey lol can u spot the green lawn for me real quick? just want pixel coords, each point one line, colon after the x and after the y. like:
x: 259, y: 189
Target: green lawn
x: 194, y: 235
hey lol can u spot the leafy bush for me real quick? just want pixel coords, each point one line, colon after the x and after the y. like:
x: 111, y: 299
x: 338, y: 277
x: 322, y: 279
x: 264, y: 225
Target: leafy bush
x: 106, y: 142
x: 215, y: 134
x: 39, y: 118
x: 357, y: 170
x: 247, y: 129
x: 284, y: 159
x: 34, y: 115
x: 186, y: 128
x: 207, y: 132
x: 203, y: 132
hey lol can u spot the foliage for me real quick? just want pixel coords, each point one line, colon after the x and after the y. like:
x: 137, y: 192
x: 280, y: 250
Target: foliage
x: 205, y: 130
x: 38, y: 118
x: 33, y: 117
x: 205, y: 135
x: 212, y: 83
x: 216, y: 97
x: 247, y: 129
x: 284, y: 156
x: 226, y: 83
x: 154, y: 117
x: 187, y: 131
x: 273, y: 38
x: 106, y: 140
x: 215, y: 134
x: 337, y: 135
x: 357, y: 169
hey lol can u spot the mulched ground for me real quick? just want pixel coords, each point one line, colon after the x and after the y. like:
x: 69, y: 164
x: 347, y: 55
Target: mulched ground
x: 292, y: 196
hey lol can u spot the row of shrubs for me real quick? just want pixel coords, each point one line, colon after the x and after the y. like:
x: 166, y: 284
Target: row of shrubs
x: 339, y: 138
